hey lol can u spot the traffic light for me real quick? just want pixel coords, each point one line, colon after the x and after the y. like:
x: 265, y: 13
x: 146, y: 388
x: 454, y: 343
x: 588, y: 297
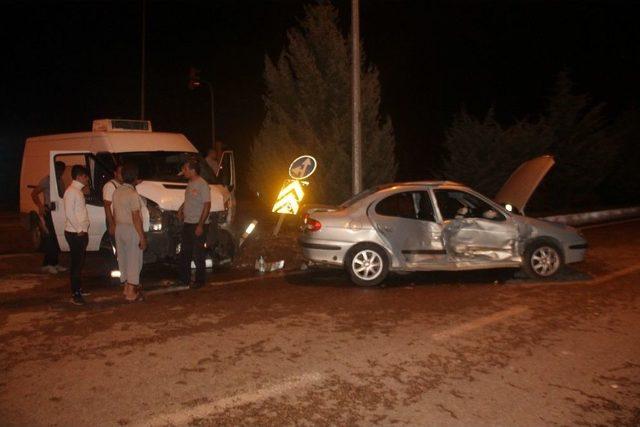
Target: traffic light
x: 194, y: 78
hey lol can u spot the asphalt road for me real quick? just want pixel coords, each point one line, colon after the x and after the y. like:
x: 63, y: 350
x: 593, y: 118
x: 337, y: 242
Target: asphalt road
x: 428, y: 349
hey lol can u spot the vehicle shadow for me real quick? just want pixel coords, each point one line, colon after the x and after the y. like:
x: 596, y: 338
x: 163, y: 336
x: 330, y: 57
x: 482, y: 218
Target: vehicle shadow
x: 336, y: 278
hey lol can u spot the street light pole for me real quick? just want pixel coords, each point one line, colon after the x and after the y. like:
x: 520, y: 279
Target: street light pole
x: 213, y: 115
x: 143, y: 54
x: 355, y: 98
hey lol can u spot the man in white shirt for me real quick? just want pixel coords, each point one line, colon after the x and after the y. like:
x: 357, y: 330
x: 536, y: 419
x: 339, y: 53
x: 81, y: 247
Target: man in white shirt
x: 76, y: 227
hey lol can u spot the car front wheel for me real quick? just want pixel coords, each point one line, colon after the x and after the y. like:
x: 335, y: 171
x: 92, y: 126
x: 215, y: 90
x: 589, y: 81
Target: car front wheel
x: 367, y: 265
x: 542, y: 260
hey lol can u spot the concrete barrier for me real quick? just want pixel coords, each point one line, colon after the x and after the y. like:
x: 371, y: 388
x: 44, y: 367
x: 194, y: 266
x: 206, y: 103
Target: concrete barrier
x: 585, y: 218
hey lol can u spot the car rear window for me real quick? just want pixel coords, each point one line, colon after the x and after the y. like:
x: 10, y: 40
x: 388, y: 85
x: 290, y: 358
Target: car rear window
x: 363, y: 194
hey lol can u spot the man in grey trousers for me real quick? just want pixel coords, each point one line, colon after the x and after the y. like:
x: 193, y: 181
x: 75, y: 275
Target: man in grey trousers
x: 195, y: 214
x: 129, y: 233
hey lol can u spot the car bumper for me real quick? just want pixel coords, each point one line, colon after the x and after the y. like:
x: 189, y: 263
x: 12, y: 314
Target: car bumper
x: 575, y: 252
x: 323, y: 251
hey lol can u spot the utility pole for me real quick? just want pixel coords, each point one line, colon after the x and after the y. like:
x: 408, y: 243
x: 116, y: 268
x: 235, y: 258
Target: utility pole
x: 213, y: 113
x: 356, y: 153
x: 142, y: 67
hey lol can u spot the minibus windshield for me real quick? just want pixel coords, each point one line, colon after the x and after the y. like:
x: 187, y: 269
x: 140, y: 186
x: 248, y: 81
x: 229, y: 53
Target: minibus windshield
x: 165, y: 166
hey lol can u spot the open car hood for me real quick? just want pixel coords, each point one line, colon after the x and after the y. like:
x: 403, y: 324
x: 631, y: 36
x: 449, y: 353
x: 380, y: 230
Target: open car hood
x: 523, y: 182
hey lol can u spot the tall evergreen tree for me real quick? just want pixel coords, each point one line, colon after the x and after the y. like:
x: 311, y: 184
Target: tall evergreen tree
x: 483, y: 153
x: 583, y: 145
x: 622, y: 186
x: 308, y: 111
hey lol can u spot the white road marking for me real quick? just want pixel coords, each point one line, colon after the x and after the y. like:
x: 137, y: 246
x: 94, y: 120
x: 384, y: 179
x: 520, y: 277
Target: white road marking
x: 596, y: 281
x: 183, y: 417
x: 616, y: 274
x: 479, y: 323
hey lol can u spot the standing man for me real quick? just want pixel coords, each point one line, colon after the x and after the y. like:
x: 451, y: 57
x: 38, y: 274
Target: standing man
x: 107, y: 197
x: 50, y: 241
x: 213, y: 157
x: 195, y: 214
x: 129, y: 233
x: 76, y: 228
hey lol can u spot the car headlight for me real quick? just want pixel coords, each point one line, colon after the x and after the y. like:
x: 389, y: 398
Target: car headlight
x: 155, y: 215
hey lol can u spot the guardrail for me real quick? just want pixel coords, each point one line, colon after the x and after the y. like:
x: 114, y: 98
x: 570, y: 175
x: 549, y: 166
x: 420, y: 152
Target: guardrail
x: 585, y: 218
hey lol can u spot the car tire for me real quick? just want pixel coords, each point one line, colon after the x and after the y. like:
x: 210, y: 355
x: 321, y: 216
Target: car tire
x: 542, y: 260
x: 222, y: 247
x: 367, y: 265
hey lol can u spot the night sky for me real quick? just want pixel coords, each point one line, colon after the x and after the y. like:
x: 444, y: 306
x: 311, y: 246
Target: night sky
x: 66, y: 63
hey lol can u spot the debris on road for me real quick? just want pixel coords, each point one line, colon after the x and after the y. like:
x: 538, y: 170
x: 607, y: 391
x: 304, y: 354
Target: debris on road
x: 283, y: 247
x: 263, y: 267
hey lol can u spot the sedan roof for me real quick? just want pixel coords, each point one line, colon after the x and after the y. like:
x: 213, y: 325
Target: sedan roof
x: 427, y: 183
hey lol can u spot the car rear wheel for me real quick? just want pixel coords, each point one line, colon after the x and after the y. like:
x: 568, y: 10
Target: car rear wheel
x: 367, y: 265
x: 542, y: 260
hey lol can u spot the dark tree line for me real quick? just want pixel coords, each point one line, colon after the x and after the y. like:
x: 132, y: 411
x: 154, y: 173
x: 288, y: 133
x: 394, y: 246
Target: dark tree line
x: 596, y: 157
x: 307, y: 102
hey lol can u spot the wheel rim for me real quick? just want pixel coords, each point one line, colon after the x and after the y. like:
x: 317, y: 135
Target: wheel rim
x: 367, y: 264
x: 545, y: 261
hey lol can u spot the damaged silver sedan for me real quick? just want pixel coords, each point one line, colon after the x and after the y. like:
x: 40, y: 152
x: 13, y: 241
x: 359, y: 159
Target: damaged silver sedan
x: 440, y: 225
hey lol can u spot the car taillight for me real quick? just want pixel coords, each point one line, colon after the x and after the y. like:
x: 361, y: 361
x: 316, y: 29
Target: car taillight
x: 312, y: 224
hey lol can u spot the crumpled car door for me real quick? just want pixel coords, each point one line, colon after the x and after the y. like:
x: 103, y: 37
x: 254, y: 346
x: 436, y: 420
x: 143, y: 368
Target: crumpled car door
x: 405, y: 222
x: 473, y: 229
x: 479, y: 239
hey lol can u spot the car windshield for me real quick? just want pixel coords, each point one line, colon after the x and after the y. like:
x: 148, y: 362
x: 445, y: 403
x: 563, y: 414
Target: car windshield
x: 165, y: 166
x: 363, y: 194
